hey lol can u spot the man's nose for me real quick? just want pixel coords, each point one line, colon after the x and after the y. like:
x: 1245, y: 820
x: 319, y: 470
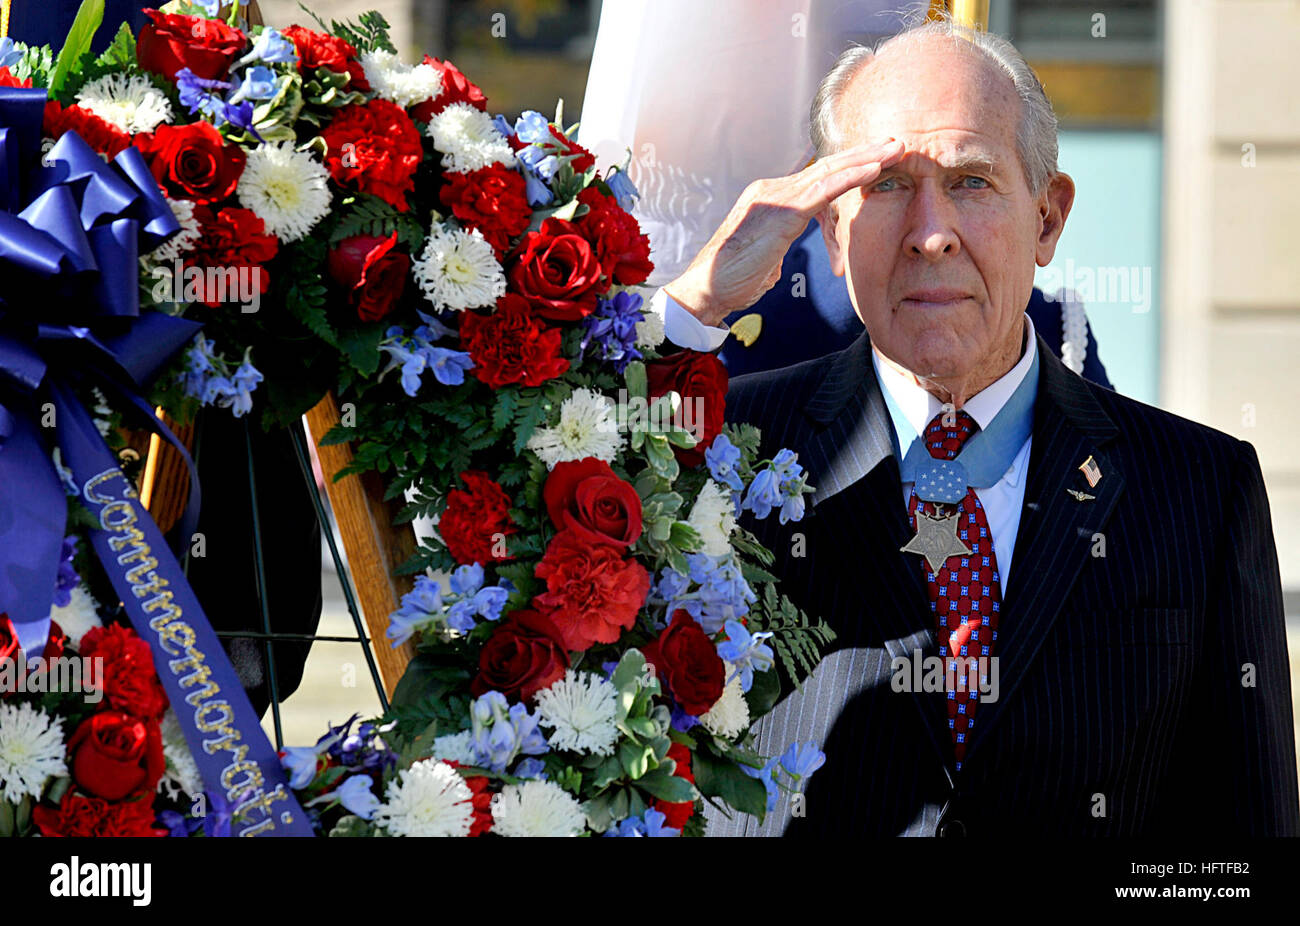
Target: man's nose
x: 931, y: 224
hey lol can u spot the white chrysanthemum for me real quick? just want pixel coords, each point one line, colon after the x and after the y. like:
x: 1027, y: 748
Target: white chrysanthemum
x: 454, y: 747
x: 182, y: 773
x: 714, y: 516
x: 183, y: 241
x: 31, y: 751
x: 581, y: 709
x: 403, y: 84
x: 587, y: 428
x: 77, y: 617
x: 468, y: 139
x: 132, y: 104
x: 287, y: 189
x: 537, y: 808
x: 729, y: 716
x: 650, y: 330
x: 428, y: 799
x: 459, y: 270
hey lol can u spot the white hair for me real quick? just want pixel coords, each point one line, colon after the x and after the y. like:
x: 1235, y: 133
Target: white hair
x: 1036, y: 142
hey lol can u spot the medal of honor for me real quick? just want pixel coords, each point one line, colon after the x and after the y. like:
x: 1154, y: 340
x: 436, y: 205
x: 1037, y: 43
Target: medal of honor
x: 936, y: 538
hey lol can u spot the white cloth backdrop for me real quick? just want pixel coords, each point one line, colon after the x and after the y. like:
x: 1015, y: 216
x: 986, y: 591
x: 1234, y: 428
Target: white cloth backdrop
x: 710, y: 96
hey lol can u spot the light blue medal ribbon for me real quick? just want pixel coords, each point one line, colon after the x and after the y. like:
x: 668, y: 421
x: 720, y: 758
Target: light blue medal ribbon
x: 984, y: 458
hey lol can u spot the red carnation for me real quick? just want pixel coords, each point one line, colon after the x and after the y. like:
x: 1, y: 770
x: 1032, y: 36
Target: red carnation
x: 676, y: 814
x: 481, y: 819
x: 79, y: 816
x: 524, y: 655
x: 372, y: 272
x: 456, y: 88
x: 510, y: 346
x: 585, y: 159
x: 475, y: 519
x: 169, y: 43
x: 232, y: 238
x: 588, y: 498
x: 593, y: 594
x: 686, y: 660
x: 113, y: 755
x: 192, y: 161
x: 319, y: 50
x: 621, y: 248
x: 701, y: 381
x: 104, y: 137
x: 556, y: 270
x: 491, y: 199
x: 375, y: 147
x: 129, y: 680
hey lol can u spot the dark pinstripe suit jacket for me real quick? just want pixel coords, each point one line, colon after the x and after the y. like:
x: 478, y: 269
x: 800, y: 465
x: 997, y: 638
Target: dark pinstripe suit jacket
x: 1143, y: 691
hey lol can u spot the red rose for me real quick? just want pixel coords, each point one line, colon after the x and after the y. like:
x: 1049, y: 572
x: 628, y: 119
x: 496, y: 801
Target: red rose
x: 586, y: 497
x: 79, y: 816
x: 524, y: 655
x: 456, y: 88
x: 169, y: 43
x: 129, y: 680
x: 701, y: 380
x: 104, y: 137
x: 688, y: 663
x: 676, y: 814
x: 372, y: 272
x: 556, y: 271
x: 482, y: 800
x: 230, y: 238
x: 623, y: 252
x: 318, y: 50
x: 473, y: 516
x: 510, y: 346
x: 192, y: 161
x: 491, y: 199
x: 593, y: 594
x: 375, y: 147
x: 114, y: 755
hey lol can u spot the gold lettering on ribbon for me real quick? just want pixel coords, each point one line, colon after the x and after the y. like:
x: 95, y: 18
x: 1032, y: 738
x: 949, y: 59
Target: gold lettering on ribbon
x: 212, y: 714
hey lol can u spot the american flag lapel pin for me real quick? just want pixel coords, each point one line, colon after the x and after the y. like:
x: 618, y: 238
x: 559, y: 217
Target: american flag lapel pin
x: 1091, y: 471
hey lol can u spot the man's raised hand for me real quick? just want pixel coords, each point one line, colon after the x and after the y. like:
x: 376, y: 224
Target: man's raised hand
x: 742, y: 260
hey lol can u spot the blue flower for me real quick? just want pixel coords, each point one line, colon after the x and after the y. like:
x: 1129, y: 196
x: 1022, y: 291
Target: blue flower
x: 764, y: 775
x: 802, y: 759
x: 682, y: 721
x: 67, y: 578
x: 531, y: 768
x: 300, y: 763
x: 722, y: 457
x: 764, y: 493
x: 612, y: 329
x: 218, y: 820
x: 749, y: 654
x: 449, y: 366
x: 421, y: 605
x: 272, y: 48
x: 178, y: 824
x: 242, y: 385
x: 259, y: 83
x: 500, y: 732
x: 624, y: 190
x: 414, y: 354
x: 536, y: 190
x: 652, y: 824
x: 197, y: 92
x: 356, y: 795
x: 467, y: 579
x: 431, y: 330
x: 9, y: 55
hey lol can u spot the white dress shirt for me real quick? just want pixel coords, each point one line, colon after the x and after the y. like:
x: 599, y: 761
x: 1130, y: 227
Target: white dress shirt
x: 1002, y: 501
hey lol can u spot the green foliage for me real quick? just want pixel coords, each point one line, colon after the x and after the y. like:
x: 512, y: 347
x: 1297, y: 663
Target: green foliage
x: 427, y: 694
x: 37, y: 63
x: 368, y: 33
x: 306, y: 293
x: 718, y: 776
x: 76, y: 46
x: 365, y: 214
x: 797, y: 640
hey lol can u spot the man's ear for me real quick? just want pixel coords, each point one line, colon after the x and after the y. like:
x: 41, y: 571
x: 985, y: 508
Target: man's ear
x: 828, y: 219
x: 1054, y: 205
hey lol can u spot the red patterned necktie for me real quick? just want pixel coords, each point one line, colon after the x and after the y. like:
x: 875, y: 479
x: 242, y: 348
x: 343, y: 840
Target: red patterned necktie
x: 966, y: 592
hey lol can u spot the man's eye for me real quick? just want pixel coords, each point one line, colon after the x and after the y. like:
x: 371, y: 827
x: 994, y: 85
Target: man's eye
x: 884, y: 185
x: 979, y: 183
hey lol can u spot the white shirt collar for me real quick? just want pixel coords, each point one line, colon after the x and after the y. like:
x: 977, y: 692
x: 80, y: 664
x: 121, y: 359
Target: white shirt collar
x: 919, y: 407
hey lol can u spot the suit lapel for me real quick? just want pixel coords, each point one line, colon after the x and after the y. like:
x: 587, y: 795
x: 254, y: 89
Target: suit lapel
x: 858, y: 506
x: 1055, y: 536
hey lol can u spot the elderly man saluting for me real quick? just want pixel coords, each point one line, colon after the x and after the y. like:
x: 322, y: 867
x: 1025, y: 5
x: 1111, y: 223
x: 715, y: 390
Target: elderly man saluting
x: 1134, y: 679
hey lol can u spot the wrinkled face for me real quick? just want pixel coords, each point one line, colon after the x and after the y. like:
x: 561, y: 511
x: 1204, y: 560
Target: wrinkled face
x: 939, y: 251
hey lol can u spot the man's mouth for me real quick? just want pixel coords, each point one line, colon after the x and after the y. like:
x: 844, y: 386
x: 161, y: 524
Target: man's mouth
x: 934, y: 298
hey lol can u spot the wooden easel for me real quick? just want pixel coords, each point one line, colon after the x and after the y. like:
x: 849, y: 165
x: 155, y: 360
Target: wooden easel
x: 374, y: 546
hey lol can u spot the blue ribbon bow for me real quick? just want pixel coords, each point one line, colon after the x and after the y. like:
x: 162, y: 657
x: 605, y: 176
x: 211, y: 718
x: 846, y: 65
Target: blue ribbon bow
x: 71, y: 229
